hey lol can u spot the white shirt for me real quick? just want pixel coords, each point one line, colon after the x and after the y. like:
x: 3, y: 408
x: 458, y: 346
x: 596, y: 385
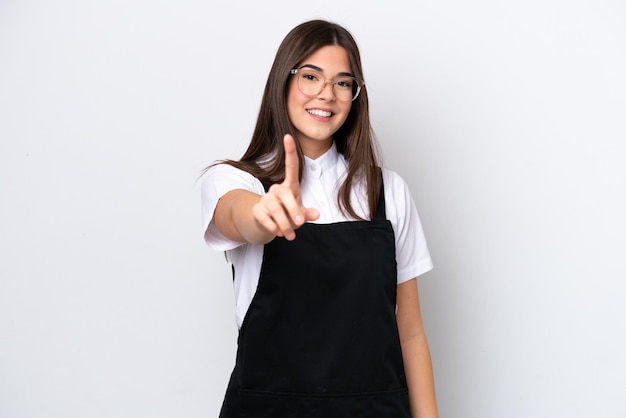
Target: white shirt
x: 319, y: 187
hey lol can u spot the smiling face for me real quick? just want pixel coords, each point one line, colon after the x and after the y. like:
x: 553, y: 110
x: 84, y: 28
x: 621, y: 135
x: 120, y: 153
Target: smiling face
x: 316, y: 118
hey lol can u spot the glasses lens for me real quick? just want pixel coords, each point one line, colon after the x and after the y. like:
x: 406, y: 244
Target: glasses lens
x: 346, y: 88
x: 311, y: 83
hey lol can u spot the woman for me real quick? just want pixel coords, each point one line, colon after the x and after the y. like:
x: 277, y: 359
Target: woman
x: 325, y: 246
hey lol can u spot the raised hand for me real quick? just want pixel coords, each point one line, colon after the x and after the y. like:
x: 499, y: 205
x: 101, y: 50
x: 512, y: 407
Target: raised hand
x: 280, y: 210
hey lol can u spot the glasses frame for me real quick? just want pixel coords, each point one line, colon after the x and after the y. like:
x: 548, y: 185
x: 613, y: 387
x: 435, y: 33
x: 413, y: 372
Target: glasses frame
x: 327, y: 81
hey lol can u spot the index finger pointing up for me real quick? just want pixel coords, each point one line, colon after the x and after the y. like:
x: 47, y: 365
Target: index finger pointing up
x: 291, y: 161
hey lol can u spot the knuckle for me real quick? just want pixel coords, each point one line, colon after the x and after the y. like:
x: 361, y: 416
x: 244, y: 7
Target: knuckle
x: 285, y: 193
x: 274, y: 206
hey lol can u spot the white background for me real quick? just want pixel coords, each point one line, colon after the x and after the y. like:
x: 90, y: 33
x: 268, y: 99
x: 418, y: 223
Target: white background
x: 507, y: 119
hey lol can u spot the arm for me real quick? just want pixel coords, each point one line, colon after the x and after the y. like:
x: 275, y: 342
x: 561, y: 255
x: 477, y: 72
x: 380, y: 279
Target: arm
x: 415, y: 352
x: 244, y: 216
x: 233, y: 218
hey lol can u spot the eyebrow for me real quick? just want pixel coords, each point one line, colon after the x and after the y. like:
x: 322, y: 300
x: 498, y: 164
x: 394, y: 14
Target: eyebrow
x: 316, y: 68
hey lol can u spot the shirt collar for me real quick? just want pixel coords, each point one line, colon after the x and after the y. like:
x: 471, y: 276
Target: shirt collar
x: 325, y: 161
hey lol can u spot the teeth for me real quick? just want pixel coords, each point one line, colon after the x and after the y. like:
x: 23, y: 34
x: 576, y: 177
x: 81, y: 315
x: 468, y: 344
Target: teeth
x: 321, y: 113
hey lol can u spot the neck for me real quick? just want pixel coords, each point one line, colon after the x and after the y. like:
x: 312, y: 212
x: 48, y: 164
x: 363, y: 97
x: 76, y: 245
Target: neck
x: 315, y: 149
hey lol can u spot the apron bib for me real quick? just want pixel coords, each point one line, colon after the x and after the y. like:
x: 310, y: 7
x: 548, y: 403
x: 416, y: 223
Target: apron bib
x: 320, y: 338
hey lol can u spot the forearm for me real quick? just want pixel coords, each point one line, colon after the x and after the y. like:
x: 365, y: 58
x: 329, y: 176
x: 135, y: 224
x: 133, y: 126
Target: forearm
x: 415, y: 352
x: 419, y: 375
x: 233, y: 217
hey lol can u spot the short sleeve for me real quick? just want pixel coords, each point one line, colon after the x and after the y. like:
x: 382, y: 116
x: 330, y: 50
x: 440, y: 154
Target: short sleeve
x: 215, y: 183
x: 412, y: 253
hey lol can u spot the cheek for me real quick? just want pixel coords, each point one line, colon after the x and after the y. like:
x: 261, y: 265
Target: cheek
x: 346, y: 111
x: 293, y: 94
x: 293, y: 99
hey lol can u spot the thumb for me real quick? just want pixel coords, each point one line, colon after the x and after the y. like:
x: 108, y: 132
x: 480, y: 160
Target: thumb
x: 311, y: 214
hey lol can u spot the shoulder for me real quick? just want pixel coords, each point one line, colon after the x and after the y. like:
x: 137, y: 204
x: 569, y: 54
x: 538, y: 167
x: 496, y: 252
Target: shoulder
x: 221, y: 178
x: 395, y: 186
x: 224, y: 170
x: 399, y: 203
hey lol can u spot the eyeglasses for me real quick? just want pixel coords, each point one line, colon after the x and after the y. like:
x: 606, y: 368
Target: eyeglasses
x: 312, y: 83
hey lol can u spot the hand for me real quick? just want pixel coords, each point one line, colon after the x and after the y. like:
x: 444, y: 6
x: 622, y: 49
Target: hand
x: 280, y: 210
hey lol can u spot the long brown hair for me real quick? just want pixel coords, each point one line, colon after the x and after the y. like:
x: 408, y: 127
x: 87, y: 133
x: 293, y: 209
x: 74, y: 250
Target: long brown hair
x: 355, y: 139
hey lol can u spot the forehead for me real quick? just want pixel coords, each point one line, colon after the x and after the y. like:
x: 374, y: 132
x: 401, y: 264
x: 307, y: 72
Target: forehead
x: 331, y: 59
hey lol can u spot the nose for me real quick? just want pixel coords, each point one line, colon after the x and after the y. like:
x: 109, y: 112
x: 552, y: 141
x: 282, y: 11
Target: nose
x: 328, y: 91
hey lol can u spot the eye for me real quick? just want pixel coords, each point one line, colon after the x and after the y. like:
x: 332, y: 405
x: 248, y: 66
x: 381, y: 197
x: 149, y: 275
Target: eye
x: 345, y: 83
x: 310, y: 76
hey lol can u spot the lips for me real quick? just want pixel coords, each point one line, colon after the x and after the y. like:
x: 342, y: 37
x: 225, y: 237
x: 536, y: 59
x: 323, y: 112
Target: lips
x: 320, y: 113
